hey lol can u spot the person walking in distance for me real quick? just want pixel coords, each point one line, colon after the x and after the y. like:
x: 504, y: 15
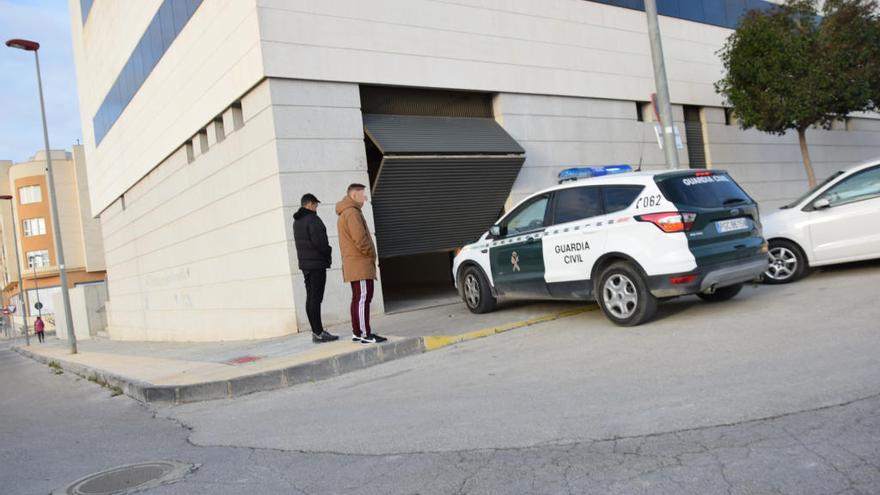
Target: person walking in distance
x: 358, y: 261
x: 313, y: 254
x: 40, y: 329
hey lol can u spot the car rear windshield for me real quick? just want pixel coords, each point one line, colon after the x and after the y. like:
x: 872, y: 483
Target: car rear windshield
x: 703, y: 190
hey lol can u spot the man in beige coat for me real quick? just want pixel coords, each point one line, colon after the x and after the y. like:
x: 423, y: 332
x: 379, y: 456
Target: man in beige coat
x: 358, y: 261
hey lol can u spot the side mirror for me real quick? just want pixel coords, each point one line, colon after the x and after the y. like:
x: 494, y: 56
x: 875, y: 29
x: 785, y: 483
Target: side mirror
x: 496, y: 231
x: 821, y: 204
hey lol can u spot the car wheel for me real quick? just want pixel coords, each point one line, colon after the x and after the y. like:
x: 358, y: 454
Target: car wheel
x: 475, y: 291
x: 722, y: 294
x: 787, y: 263
x: 624, y: 297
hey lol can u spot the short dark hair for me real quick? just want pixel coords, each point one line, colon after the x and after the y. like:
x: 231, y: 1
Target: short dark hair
x: 355, y: 187
x: 308, y: 198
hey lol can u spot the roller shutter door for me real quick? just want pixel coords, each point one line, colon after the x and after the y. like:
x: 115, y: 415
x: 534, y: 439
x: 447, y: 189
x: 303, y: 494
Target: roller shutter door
x: 442, y: 180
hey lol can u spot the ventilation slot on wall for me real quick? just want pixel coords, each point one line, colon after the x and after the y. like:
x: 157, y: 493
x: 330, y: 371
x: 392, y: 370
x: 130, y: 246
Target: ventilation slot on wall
x: 190, y: 153
x: 693, y: 128
x: 219, y: 129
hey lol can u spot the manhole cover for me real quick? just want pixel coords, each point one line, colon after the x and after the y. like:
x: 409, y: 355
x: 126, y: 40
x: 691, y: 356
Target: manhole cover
x: 129, y: 478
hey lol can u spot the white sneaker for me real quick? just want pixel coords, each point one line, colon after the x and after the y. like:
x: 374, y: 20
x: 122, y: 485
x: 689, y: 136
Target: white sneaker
x: 373, y: 339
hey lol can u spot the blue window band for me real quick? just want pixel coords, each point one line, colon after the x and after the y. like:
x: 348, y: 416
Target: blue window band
x: 160, y: 33
x: 85, y: 6
x: 723, y: 13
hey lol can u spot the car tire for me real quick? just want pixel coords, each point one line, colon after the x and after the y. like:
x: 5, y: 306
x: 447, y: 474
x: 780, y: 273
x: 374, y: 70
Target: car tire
x: 722, y: 294
x: 623, y: 295
x: 787, y: 263
x: 475, y: 291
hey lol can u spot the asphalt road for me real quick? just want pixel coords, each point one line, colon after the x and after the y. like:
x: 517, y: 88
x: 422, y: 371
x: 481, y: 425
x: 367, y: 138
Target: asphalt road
x: 777, y: 391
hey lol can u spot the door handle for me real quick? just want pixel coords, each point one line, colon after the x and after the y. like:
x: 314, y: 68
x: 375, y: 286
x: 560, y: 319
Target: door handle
x: 484, y: 251
x: 531, y: 240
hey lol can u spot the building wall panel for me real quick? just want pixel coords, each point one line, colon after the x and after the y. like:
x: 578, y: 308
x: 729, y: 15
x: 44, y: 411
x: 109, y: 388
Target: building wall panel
x: 560, y: 132
x: 214, y: 60
x: 199, y: 252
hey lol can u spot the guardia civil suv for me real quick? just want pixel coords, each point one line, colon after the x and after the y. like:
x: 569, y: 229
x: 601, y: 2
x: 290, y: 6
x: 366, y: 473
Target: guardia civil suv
x: 626, y: 240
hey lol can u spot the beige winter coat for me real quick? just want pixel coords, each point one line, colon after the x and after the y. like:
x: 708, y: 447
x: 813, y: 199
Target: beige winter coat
x: 355, y: 243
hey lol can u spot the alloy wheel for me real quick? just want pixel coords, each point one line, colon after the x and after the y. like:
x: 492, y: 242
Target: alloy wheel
x: 783, y: 263
x: 620, y: 296
x: 472, y: 290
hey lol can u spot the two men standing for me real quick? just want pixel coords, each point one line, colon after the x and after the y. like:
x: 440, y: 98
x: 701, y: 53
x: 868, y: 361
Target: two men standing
x: 358, y: 261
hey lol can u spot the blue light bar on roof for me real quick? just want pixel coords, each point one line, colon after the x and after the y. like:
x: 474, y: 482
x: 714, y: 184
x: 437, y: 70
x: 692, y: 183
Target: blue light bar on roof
x: 587, y: 172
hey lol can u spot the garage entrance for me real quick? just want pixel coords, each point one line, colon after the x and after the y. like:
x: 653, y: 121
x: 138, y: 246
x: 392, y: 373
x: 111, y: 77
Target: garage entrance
x: 440, y: 170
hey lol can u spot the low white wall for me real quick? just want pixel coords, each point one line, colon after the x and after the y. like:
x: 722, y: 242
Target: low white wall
x: 770, y: 168
x: 78, y: 309
x: 559, y: 132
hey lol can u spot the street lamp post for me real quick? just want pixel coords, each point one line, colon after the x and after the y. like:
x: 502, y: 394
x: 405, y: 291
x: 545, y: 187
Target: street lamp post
x: 33, y: 46
x: 39, y: 304
x: 27, y: 339
x: 665, y: 110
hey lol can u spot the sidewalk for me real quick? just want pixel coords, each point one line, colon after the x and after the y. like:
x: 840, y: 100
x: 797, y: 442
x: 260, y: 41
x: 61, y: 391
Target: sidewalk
x: 159, y: 372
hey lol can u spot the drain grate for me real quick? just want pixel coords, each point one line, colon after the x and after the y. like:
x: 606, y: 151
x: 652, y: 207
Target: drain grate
x: 130, y: 478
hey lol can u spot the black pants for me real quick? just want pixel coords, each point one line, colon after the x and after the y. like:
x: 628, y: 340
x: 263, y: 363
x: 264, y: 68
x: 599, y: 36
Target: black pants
x: 40, y: 336
x: 315, y: 282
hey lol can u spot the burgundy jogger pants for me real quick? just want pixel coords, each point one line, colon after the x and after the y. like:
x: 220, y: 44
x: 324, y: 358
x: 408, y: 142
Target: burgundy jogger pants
x: 361, y: 296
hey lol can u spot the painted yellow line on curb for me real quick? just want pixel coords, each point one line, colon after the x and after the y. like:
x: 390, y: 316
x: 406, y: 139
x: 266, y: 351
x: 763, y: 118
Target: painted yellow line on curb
x: 439, y: 341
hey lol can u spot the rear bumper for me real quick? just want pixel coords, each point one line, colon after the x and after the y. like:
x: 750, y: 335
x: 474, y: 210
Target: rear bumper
x: 709, y: 277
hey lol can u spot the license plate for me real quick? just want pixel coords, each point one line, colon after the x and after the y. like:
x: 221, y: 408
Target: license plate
x: 725, y: 226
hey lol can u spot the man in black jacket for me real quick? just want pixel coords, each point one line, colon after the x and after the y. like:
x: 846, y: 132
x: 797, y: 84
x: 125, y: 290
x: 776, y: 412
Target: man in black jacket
x: 313, y: 253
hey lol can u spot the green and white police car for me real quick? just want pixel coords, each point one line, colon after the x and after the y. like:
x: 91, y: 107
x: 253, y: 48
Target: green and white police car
x: 626, y: 240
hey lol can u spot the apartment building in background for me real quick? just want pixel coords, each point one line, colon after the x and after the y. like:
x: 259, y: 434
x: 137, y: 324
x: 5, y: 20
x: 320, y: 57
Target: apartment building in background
x: 81, y: 234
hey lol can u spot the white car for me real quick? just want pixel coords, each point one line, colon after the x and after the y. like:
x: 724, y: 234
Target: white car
x: 625, y: 240
x: 838, y: 221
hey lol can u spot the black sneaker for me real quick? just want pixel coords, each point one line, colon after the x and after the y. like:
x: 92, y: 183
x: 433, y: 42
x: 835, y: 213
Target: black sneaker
x: 324, y: 336
x: 356, y: 338
x: 373, y: 339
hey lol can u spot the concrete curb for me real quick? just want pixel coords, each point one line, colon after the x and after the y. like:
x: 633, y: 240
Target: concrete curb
x: 236, y: 387
x: 313, y: 371
x: 129, y: 386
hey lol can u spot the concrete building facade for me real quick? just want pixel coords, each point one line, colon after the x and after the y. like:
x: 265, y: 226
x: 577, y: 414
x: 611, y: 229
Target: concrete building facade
x: 205, y: 121
x: 27, y: 183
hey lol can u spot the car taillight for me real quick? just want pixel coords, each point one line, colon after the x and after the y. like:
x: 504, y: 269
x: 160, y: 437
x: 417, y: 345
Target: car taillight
x: 684, y: 279
x: 703, y: 174
x: 670, y: 222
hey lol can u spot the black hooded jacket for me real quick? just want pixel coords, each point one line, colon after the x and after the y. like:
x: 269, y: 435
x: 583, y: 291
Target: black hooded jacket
x: 310, y: 236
